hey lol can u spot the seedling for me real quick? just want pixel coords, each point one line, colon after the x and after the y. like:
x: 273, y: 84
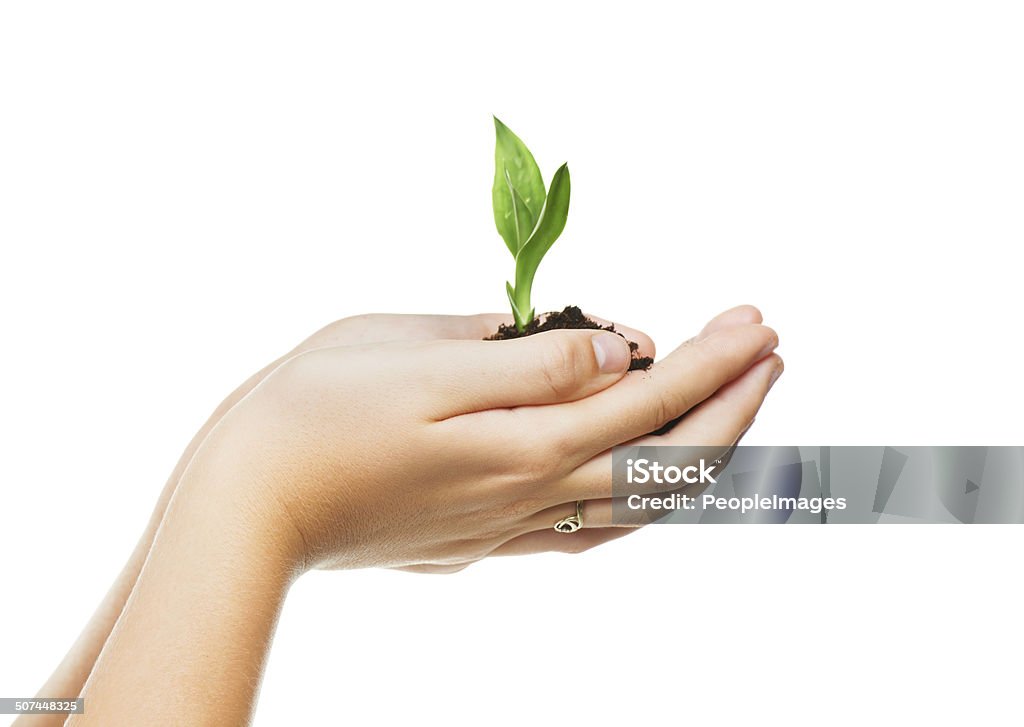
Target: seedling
x: 529, y: 218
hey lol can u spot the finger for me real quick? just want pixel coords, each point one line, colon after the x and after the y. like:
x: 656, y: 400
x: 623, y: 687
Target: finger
x: 545, y: 368
x: 598, y: 513
x: 723, y: 417
x: 645, y: 401
x: 737, y: 316
x: 716, y: 424
x: 733, y: 317
x: 645, y: 344
x: 549, y: 541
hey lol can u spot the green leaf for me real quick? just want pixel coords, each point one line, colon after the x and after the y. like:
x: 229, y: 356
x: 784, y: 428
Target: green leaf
x: 525, y: 220
x: 516, y: 315
x: 549, y: 227
x: 512, y: 157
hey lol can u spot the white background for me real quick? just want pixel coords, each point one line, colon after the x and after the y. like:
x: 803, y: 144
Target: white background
x: 188, y: 189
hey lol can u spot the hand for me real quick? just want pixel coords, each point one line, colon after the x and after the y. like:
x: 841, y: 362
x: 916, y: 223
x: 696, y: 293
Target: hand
x: 400, y: 454
x: 71, y: 673
x: 439, y: 453
x: 356, y: 330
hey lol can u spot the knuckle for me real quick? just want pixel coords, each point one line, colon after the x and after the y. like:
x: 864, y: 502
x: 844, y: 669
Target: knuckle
x: 557, y: 449
x: 563, y: 366
x: 534, y: 469
x: 668, y: 405
x: 357, y: 321
x: 341, y: 329
x: 543, y: 456
x: 485, y: 545
x: 661, y: 409
x: 442, y: 569
x: 718, y: 347
x: 298, y: 371
x: 513, y: 512
x: 308, y: 382
x: 478, y: 549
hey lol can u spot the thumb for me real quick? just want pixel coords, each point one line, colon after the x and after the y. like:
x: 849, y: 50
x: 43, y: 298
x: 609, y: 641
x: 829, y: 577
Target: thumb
x: 545, y: 368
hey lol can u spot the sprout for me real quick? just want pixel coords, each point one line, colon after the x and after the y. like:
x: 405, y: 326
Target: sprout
x: 528, y: 218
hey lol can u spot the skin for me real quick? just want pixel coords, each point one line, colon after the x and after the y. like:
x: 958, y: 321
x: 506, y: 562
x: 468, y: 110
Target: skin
x: 500, y: 439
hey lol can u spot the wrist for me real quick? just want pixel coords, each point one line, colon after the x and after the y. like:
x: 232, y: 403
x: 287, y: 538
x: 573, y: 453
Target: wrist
x: 203, y: 610
x: 223, y: 490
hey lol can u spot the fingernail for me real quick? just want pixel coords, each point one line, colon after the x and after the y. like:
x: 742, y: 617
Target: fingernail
x: 775, y: 375
x: 611, y: 352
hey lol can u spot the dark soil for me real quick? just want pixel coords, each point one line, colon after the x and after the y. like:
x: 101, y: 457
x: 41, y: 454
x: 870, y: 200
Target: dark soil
x: 571, y: 317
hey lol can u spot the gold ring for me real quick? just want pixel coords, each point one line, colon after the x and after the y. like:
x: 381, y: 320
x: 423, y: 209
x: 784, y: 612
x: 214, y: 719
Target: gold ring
x: 572, y: 523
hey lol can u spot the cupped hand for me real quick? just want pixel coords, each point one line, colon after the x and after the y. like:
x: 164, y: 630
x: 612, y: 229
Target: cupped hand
x: 71, y: 674
x: 432, y: 454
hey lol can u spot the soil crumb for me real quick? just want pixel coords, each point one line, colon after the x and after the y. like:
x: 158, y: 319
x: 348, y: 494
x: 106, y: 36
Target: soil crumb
x: 570, y: 317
